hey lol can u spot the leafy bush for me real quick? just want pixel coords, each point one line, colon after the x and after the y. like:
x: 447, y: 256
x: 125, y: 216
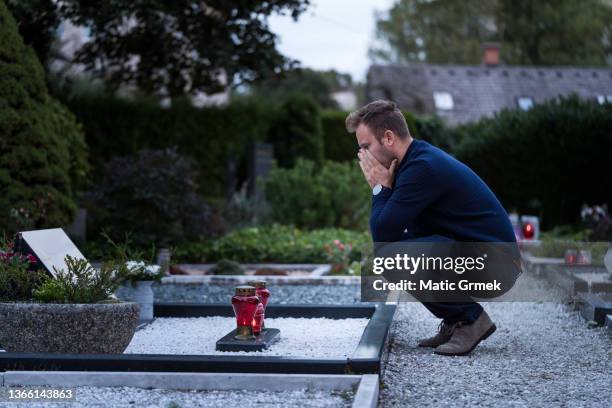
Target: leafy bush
x: 156, y: 192
x: 43, y: 158
x: 546, y: 161
x: 271, y: 243
x: 133, y: 265
x: 226, y: 267
x: 309, y: 196
x: 296, y: 131
x: 79, y: 283
x: 556, y: 248
x: 17, y: 281
x: 341, y: 258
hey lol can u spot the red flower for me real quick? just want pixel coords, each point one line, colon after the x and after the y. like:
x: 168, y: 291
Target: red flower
x: 31, y: 258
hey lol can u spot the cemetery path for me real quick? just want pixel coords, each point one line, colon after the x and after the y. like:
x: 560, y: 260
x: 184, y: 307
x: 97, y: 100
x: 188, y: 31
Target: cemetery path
x: 542, y: 355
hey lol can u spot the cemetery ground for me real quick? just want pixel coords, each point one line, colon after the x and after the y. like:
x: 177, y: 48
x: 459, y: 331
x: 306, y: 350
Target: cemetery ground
x: 543, y: 354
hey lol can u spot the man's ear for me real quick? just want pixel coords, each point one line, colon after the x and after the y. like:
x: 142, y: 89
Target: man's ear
x: 388, y: 137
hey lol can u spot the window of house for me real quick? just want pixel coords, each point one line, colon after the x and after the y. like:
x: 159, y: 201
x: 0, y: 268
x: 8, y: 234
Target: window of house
x: 601, y: 99
x: 443, y: 101
x: 524, y: 102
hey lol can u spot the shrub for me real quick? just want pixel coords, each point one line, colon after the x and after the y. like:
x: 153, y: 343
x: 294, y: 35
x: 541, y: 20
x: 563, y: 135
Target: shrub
x: 17, y: 281
x: 309, y: 196
x: 296, y: 131
x: 133, y: 265
x: 271, y: 243
x: 156, y: 192
x: 43, y: 159
x: 79, y: 283
x: 226, y: 267
x: 546, y: 161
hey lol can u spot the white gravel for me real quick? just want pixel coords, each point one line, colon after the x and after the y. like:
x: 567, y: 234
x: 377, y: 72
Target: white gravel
x: 300, y: 337
x: 542, y: 355
x: 120, y: 397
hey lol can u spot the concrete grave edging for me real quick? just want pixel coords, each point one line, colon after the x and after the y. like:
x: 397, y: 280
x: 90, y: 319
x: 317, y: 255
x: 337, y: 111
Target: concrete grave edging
x: 365, y: 397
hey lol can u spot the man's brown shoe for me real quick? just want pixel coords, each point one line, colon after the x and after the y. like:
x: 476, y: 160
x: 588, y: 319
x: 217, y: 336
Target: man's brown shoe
x: 466, y: 337
x: 445, y: 331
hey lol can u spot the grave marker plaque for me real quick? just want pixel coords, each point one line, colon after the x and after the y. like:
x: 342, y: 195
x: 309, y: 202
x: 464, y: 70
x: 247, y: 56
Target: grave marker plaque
x: 261, y: 159
x: 50, y: 246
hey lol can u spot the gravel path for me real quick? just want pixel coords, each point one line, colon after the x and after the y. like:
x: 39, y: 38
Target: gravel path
x: 542, y: 355
x: 127, y: 397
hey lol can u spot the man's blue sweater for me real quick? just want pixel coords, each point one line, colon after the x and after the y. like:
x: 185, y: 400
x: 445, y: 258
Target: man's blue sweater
x: 435, y: 194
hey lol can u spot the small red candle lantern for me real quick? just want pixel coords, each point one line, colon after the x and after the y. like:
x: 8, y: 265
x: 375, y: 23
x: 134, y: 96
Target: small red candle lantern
x: 244, y: 303
x: 528, y: 231
x: 258, y: 319
x: 263, y: 294
x: 571, y: 256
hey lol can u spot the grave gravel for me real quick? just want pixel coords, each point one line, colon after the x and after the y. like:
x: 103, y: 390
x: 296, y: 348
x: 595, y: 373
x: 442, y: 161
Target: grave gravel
x: 542, y: 354
x: 300, y: 337
x: 281, y: 294
x: 124, y: 397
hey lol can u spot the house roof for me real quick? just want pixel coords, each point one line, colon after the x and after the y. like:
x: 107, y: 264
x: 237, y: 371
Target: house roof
x: 479, y: 91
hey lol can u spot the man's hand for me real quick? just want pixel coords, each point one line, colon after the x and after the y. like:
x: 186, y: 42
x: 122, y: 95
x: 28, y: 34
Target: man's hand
x: 374, y: 172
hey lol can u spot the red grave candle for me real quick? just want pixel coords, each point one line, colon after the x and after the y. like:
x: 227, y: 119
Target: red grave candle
x: 258, y: 319
x: 244, y: 303
x: 263, y: 294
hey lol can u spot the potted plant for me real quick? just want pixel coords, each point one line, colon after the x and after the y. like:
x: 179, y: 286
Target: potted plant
x: 137, y: 272
x: 73, y: 311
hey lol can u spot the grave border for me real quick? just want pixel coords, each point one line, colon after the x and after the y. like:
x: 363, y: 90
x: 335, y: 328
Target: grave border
x: 365, y: 359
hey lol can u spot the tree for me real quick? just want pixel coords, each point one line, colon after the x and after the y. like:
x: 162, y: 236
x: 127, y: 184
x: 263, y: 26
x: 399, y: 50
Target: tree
x: 547, y: 32
x: 175, y: 47
x: 43, y: 158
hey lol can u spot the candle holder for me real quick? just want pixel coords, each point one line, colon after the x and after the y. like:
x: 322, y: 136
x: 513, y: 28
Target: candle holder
x: 244, y: 303
x: 571, y: 256
x: 263, y: 294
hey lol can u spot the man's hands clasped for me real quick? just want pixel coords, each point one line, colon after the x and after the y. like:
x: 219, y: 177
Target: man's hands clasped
x: 373, y: 171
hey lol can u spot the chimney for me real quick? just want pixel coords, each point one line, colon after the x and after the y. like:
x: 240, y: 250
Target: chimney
x: 490, y: 54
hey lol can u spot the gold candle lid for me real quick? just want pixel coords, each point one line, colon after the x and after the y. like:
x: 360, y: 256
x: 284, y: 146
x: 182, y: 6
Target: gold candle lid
x: 257, y: 283
x: 245, y: 290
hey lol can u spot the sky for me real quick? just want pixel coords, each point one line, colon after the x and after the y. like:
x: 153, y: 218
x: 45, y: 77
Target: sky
x: 331, y: 34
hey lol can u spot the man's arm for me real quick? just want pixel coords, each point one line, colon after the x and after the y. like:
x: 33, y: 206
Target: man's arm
x: 395, y: 209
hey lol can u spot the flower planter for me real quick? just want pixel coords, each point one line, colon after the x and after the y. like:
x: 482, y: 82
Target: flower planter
x: 67, y: 328
x: 141, y: 293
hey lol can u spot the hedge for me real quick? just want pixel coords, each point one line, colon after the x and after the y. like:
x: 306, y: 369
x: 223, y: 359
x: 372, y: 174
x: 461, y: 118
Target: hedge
x: 546, y: 161
x: 120, y: 127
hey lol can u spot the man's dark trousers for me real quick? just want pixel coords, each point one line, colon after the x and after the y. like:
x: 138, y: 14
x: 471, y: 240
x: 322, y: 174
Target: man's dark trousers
x: 450, y: 312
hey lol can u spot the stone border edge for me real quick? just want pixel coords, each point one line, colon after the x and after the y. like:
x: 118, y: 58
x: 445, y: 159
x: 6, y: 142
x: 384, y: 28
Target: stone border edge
x: 365, y: 397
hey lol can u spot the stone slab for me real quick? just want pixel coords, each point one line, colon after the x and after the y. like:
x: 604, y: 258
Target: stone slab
x: 595, y: 306
x: 183, y: 381
x: 367, y: 393
x: 261, y: 342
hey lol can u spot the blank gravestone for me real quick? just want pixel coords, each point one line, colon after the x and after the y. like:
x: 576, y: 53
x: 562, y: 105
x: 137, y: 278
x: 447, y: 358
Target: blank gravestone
x: 260, y: 162
x: 49, y: 246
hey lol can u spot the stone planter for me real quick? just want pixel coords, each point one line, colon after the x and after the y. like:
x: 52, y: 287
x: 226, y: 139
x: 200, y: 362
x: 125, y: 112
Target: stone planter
x: 67, y: 328
x: 141, y: 293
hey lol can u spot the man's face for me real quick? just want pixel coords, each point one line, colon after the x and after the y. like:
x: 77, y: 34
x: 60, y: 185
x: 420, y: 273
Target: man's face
x: 367, y: 140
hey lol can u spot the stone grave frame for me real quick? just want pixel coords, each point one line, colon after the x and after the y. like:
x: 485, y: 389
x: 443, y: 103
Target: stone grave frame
x: 365, y: 359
